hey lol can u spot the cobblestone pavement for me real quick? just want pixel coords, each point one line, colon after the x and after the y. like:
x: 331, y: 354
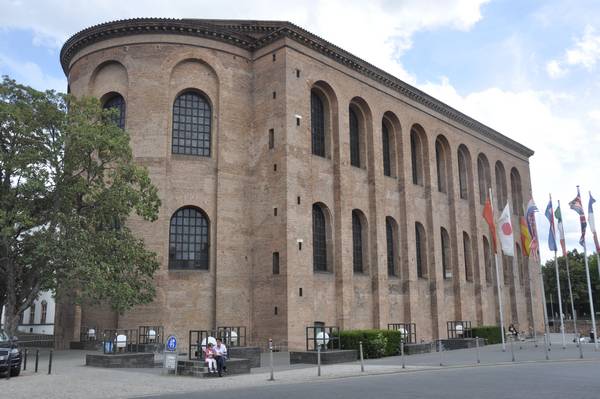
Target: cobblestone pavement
x: 71, y: 379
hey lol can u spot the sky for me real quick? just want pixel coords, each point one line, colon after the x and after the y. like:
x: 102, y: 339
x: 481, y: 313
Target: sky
x: 529, y: 69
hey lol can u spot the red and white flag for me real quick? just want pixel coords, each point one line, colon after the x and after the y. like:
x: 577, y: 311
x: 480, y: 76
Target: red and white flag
x: 505, y: 232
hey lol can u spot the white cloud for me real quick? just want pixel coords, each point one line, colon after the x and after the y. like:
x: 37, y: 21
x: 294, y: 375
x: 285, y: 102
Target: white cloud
x: 585, y: 52
x: 31, y: 74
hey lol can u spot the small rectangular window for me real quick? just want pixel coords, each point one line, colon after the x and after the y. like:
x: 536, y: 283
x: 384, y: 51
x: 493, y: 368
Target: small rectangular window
x: 297, y: 121
x: 275, y: 310
x: 274, y: 95
x: 274, y: 57
x: 299, y: 246
x: 298, y: 200
x: 300, y: 291
x: 275, y: 262
x: 271, y: 139
x: 274, y: 167
x: 274, y: 211
x: 297, y: 73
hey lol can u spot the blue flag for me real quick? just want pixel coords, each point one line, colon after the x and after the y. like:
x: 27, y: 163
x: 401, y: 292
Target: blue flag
x: 551, y: 234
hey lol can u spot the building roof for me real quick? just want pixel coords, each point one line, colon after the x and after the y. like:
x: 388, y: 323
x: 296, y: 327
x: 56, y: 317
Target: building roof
x: 253, y: 35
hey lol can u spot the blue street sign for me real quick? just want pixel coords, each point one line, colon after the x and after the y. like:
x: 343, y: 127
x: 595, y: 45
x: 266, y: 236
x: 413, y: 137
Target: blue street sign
x: 171, y: 343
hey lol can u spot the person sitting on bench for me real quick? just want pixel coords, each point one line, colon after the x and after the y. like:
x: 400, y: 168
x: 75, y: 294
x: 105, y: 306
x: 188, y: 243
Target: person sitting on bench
x: 221, y: 356
x: 209, y: 357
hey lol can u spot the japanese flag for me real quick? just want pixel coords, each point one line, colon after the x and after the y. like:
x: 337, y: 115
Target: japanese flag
x: 505, y: 232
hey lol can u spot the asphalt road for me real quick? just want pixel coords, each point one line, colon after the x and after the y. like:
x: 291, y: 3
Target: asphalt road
x: 560, y: 380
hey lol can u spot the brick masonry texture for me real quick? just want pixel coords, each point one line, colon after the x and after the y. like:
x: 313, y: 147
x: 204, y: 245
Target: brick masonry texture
x: 238, y: 65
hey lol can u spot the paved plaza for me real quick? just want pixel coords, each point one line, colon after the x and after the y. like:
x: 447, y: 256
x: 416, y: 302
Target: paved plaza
x: 459, y: 376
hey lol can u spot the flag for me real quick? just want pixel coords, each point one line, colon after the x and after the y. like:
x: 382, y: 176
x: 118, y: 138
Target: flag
x: 551, y: 233
x: 505, y: 233
x: 593, y: 222
x: 525, y: 237
x: 561, y: 230
x: 531, y: 226
x: 488, y: 215
x: 577, y: 207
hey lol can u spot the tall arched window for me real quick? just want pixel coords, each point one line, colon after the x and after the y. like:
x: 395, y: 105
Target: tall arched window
x: 385, y: 138
x: 446, y: 266
x: 32, y: 314
x: 516, y: 192
x: 463, y: 172
x: 44, y: 313
x: 468, y: 257
x: 317, y: 124
x: 520, y: 264
x: 440, y: 162
x: 117, y: 102
x: 191, y: 125
x: 487, y: 258
x: 421, y: 249
x: 354, y: 139
x: 417, y: 154
x: 357, y: 242
x: 319, y: 239
x: 500, y: 185
x: 189, y: 239
x: 391, y: 239
x: 484, y: 177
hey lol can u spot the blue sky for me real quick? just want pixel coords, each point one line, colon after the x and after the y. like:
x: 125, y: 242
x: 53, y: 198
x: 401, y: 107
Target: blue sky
x: 529, y: 69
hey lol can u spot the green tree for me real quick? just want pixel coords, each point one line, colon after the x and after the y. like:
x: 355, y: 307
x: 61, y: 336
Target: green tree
x: 67, y: 184
x: 578, y: 283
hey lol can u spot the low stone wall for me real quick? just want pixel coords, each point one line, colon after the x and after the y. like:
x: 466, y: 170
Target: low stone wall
x: 461, y: 343
x: 415, y: 349
x: 197, y: 368
x: 252, y: 353
x: 327, y: 357
x: 120, y: 360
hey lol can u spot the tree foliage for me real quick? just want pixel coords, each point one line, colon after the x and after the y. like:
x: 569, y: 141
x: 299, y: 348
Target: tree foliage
x: 68, y: 183
x: 578, y: 283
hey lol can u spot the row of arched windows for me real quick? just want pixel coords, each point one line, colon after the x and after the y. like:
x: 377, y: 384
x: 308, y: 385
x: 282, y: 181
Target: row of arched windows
x: 192, y: 120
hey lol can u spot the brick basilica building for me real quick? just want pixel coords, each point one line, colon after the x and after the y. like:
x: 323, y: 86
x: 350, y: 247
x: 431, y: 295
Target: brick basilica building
x: 300, y: 185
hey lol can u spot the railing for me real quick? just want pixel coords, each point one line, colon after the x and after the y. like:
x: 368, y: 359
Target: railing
x: 327, y: 337
x: 197, y: 342
x: 89, y: 333
x: 459, y: 329
x: 119, y: 341
x: 232, y: 336
x: 407, y: 330
x: 148, y: 335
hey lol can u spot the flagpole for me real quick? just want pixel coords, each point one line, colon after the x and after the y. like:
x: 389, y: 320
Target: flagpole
x: 589, y: 284
x: 498, y: 288
x: 553, y: 231
x: 574, y: 314
x: 546, y: 330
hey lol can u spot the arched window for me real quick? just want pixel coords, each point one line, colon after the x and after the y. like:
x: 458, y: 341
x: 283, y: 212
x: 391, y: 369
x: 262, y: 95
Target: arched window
x: 354, y: 139
x: 520, y: 264
x: 44, y: 312
x: 357, y: 242
x: 416, y: 156
x: 191, y: 125
x: 385, y: 138
x: 189, y: 239
x: 421, y: 249
x: 391, y: 239
x: 516, y: 192
x: 317, y: 124
x: 484, y: 177
x: 319, y: 239
x: 446, y: 266
x: 32, y: 314
x: 116, y: 101
x: 487, y: 258
x: 463, y: 172
x: 440, y: 162
x: 468, y: 257
x: 500, y: 185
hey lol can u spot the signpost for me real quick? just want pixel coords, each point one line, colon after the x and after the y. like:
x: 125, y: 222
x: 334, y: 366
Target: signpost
x: 170, y: 363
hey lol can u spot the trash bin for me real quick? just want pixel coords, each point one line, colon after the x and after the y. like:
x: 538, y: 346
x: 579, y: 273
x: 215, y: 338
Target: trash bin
x: 592, y: 337
x: 108, y: 346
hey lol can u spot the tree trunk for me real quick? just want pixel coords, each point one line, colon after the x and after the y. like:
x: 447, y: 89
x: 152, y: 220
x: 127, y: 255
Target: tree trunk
x: 10, y: 319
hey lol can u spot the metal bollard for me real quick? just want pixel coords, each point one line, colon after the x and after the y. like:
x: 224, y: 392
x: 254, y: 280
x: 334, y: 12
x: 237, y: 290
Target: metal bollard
x: 37, y: 359
x: 272, y: 377
x: 402, y: 354
x: 362, y: 361
x: 546, y: 347
x: 441, y: 349
x: 25, y: 360
x: 50, y: 363
x: 477, y: 349
x: 319, y: 360
x: 512, y: 348
x: 580, y: 346
x: 8, y: 369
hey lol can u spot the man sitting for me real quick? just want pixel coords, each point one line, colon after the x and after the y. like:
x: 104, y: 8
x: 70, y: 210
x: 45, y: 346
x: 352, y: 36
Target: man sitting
x: 220, y: 351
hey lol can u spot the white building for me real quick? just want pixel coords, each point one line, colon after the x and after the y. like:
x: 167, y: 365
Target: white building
x: 38, y: 318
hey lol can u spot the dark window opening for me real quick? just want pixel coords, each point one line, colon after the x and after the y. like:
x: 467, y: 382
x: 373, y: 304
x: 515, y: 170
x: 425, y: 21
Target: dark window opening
x: 191, y: 125
x: 354, y: 140
x: 357, y: 243
x: 319, y: 239
x: 297, y: 73
x: 189, y: 240
x: 391, y: 254
x: 274, y: 211
x: 446, y: 268
x: 116, y: 102
x: 275, y: 262
x: 299, y: 291
x: 271, y: 139
x: 274, y: 95
x: 317, y: 124
x: 385, y: 137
